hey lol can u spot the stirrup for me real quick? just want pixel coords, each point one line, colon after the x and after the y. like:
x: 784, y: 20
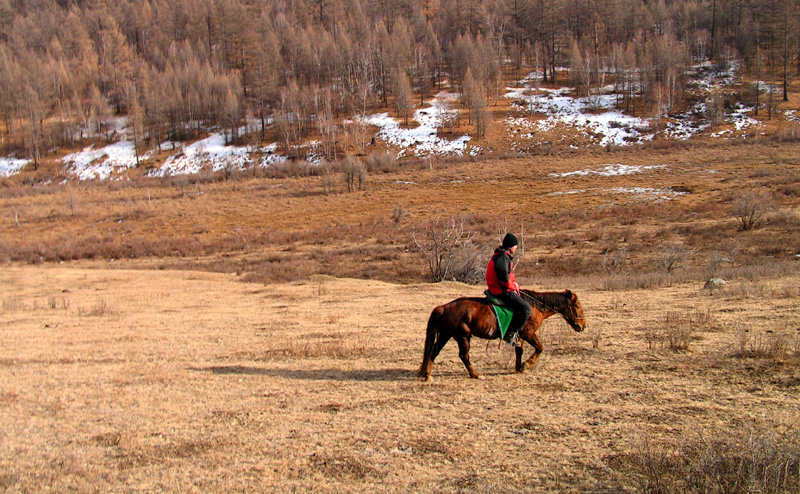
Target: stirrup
x: 514, y: 342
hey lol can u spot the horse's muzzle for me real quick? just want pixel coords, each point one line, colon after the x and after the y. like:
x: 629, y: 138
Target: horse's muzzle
x: 578, y: 326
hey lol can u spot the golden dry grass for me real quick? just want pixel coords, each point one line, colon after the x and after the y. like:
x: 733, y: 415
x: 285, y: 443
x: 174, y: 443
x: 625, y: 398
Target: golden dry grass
x: 120, y: 380
x: 148, y: 374
x: 247, y: 224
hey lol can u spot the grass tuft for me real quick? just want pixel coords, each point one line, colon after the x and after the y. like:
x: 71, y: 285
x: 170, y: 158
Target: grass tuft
x: 742, y: 460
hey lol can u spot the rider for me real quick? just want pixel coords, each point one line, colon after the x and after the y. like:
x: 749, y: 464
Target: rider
x: 502, y: 284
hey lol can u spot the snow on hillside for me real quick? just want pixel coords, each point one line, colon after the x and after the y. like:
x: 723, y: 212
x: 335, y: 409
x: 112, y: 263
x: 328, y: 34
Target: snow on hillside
x: 11, y: 166
x: 422, y: 140
x: 553, y: 109
x: 212, y: 152
x: 91, y: 163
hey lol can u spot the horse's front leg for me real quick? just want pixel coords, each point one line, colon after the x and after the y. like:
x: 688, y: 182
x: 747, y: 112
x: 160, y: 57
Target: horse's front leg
x: 537, y: 349
x: 463, y: 353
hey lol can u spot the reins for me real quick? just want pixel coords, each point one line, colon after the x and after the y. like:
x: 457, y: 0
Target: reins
x: 570, y: 310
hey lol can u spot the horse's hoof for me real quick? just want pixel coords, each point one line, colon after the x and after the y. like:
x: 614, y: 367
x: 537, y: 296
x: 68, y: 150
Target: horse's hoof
x: 478, y: 376
x: 426, y: 379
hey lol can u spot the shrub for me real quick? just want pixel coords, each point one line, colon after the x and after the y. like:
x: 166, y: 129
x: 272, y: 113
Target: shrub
x: 354, y: 174
x: 381, y: 162
x: 671, y: 256
x: 749, y: 458
x: 446, y: 247
x: 750, y: 207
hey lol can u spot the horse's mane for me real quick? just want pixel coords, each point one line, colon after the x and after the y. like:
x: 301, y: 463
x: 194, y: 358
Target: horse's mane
x: 546, y: 300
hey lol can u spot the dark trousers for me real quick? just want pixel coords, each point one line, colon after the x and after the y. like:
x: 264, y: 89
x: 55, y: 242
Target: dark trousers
x: 522, y: 311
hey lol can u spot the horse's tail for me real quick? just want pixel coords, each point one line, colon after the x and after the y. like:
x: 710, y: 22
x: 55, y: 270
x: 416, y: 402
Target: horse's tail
x: 430, y: 342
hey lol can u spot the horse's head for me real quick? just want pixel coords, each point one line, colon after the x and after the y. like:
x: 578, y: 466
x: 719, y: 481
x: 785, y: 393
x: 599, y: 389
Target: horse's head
x: 573, y: 313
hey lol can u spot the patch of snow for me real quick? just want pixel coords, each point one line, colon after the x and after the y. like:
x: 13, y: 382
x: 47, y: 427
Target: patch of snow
x: 659, y: 194
x: 209, y: 153
x: 101, y: 163
x: 422, y: 140
x: 741, y: 120
x: 611, y: 171
x: 765, y: 88
x: 271, y: 156
x: 567, y: 193
x: 594, y: 115
x: 708, y: 77
x: 11, y: 166
x: 649, y: 193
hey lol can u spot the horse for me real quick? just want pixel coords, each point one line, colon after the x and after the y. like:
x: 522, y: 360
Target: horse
x: 465, y: 317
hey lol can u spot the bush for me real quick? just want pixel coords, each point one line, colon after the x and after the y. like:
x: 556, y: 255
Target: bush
x: 747, y: 459
x: 447, y: 249
x: 382, y: 163
x: 750, y: 207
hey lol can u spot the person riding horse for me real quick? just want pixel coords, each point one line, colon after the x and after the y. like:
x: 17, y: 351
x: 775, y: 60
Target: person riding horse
x: 502, y: 284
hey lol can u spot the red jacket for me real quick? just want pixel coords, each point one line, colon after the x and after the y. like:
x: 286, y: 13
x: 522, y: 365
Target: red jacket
x: 499, y: 275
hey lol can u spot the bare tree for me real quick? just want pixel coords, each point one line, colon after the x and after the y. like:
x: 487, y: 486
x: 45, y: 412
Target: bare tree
x: 750, y: 207
x: 357, y: 134
x: 480, y: 111
x: 671, y: 256
x: 448, y: 116
x: 116, y: 64
x: 614, y: 260
x: 444, y: 244
x: 403, y: 96
x: 354, y: 173
x: 136, y: 118
x: 715, y: 107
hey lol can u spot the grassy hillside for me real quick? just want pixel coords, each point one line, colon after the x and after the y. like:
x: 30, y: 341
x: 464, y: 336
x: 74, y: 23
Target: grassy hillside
x: 632, y: 217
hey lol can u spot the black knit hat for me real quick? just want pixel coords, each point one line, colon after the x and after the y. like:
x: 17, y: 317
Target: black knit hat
x: 509, y: 241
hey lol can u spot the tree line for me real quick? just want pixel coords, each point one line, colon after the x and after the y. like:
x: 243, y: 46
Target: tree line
x: 297, y: 67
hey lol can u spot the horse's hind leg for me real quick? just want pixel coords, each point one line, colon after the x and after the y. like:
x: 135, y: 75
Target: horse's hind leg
x: 463, y: 353
x: 441, y: 341
x: 427, y: 364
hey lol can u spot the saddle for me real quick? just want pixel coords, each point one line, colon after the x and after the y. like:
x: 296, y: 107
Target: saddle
x: 502, y: 312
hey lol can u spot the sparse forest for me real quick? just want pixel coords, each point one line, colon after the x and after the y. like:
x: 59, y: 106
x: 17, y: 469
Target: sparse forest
x: 294, y: 68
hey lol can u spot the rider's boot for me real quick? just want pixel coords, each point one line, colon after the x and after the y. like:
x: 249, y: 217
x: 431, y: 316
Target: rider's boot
x: 511, y: 339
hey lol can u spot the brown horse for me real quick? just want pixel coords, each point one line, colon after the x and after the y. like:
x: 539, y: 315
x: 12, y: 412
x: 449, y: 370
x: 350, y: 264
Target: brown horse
x: 466, y: 317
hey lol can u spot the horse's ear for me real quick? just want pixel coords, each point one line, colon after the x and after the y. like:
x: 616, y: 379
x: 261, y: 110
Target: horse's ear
x: 569, y: 294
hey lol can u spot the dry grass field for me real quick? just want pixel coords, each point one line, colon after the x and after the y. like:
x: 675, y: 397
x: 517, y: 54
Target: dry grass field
x: 256, y: 332
x: 121, y: 380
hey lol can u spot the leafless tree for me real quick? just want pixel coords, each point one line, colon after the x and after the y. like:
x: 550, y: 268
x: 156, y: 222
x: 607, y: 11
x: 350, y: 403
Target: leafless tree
x: 445, y: 245
x: 480, y: 110
x: 614, y: 260
x: 354, y: 173
x: 403, y: 95
x: 671, y: 256
x: 750, y: 207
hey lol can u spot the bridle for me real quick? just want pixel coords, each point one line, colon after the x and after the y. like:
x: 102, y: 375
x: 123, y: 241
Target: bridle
x: 570, y: 313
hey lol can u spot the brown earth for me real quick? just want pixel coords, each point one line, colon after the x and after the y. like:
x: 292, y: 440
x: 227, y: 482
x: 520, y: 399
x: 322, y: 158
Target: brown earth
x: 120, y: 380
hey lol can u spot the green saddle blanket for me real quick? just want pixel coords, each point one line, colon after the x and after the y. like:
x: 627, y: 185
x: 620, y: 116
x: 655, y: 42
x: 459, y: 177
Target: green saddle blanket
x: 502, y: 312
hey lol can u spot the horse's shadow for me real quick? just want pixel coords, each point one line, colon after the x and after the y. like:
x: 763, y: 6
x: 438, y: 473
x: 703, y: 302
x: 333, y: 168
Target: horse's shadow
x: 313, y: 374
